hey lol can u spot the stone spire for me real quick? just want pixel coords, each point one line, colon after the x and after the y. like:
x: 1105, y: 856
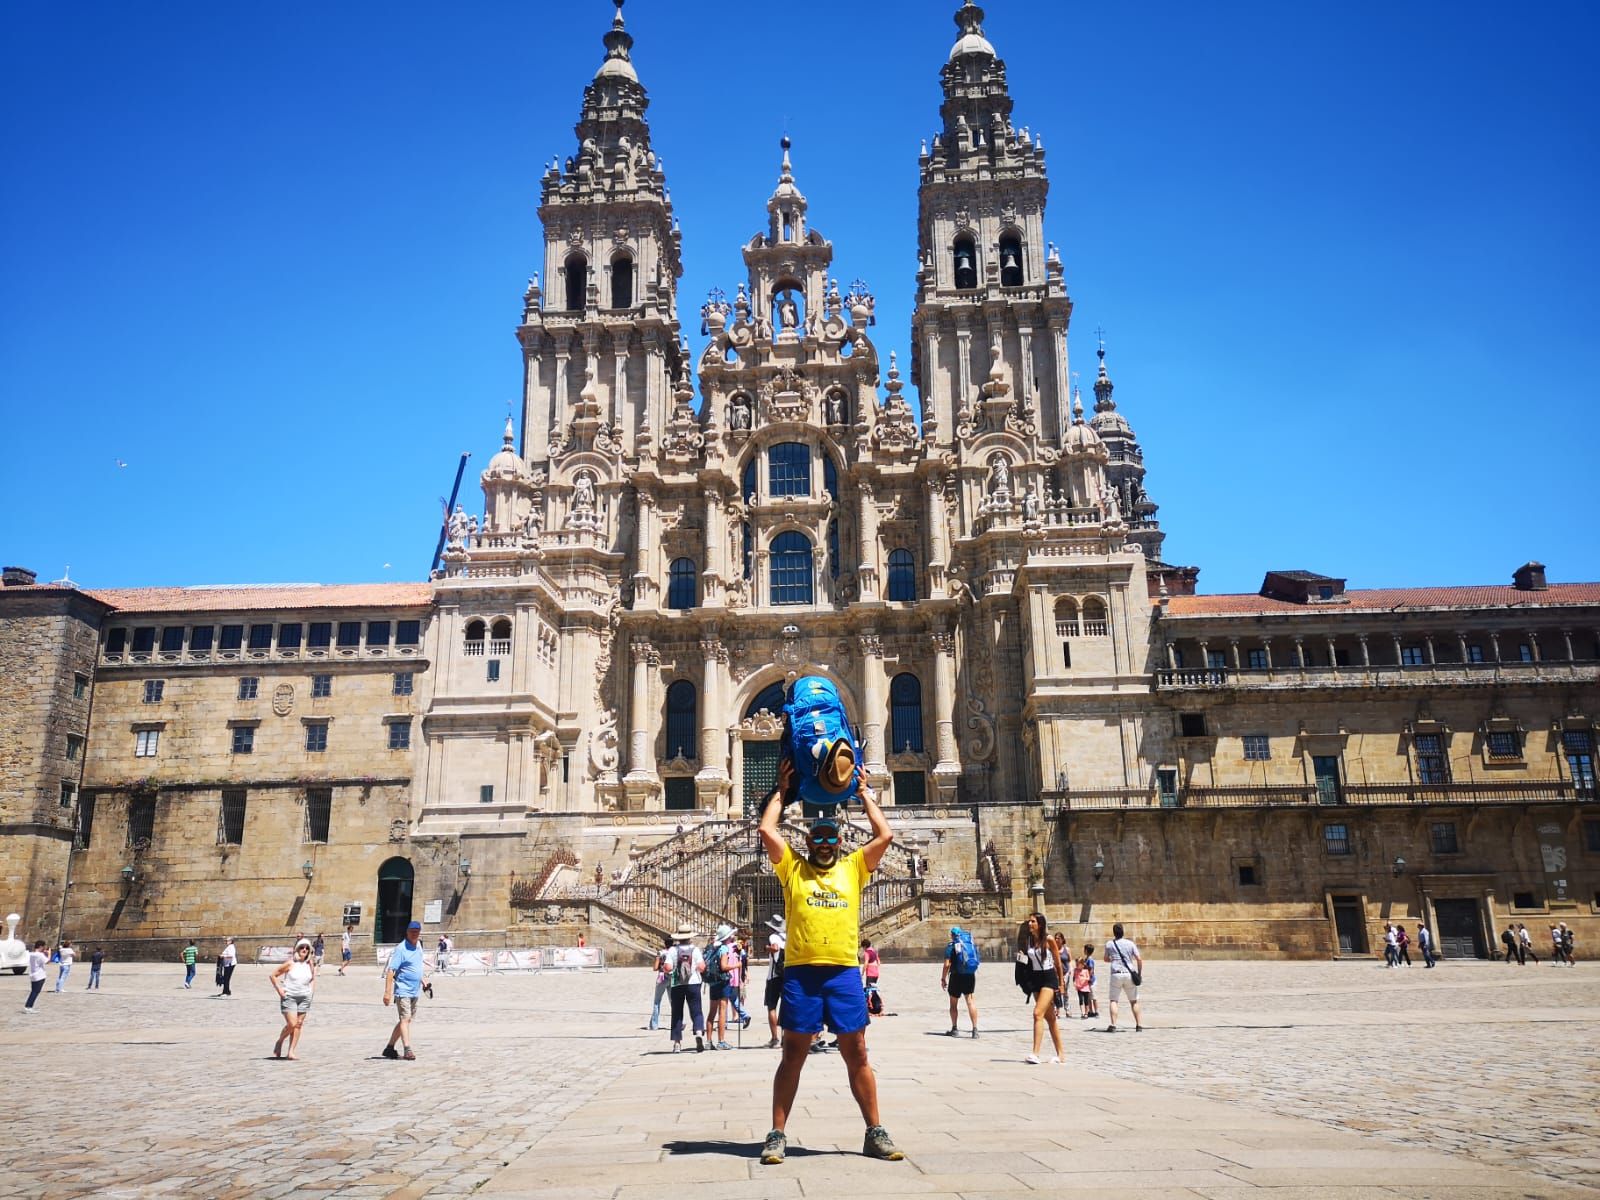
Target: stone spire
x: 1103, y: 387
x: 1125, y: 469
x: 977, y: 102
x: 786, y: 207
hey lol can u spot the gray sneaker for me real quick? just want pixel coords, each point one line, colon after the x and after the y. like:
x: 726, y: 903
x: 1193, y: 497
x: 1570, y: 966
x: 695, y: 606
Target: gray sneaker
x: 879, y: 1145
x: 773, y: 1148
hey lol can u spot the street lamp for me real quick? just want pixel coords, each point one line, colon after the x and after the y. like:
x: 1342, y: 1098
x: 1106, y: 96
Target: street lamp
x: 1399, y: 866
x: 308, y: 869
x: 128, y: 876
x: 1099, y: 864
x: 466, y: 867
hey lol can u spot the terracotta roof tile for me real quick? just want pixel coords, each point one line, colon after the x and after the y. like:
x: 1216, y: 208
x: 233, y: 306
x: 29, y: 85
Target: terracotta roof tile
x: 254, y: 598
x: 1385, y: 599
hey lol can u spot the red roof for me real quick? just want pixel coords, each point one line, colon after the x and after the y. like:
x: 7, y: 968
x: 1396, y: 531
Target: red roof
x: 256, y: 598
x: 1557, y: 595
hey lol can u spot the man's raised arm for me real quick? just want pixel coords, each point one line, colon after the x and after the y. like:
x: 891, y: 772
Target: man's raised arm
x: 872, y: 853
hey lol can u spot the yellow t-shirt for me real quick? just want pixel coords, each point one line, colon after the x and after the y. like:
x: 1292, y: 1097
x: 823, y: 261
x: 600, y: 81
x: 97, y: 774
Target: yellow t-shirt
x: 823, y: 909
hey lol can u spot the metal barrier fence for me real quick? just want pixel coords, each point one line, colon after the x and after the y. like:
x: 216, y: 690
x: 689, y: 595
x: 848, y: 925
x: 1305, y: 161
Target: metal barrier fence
x: 509, y: 962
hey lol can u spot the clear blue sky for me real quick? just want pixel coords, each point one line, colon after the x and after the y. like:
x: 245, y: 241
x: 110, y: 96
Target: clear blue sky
x: 271, y: 258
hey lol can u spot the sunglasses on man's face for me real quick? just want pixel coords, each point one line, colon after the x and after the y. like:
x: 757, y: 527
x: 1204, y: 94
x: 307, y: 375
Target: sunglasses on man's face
x: 823, y: 839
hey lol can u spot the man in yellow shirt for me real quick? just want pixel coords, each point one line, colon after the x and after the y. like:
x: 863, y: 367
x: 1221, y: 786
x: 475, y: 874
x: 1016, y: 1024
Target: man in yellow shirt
x: 821, y: 983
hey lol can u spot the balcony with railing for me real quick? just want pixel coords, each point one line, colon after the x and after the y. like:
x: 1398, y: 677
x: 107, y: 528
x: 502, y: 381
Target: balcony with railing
x: 1437, y: 674
x: 1058, y: 802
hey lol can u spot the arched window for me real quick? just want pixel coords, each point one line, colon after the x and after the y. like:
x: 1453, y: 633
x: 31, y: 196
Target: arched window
x: 830, y: 477
x: 683, y: 733
x: 748, y: 487
x: 902, y: 575
x: 500, y: 637
x: 791, y: 568
x: 789, y: 469
x: 622, y: 282
x: 1066, y: 617
x: 681, y: 583
x: 1011, y: 274
x: 770, y: 700
x: 965, y: 256
x: 905, y: 713
x: 577, y: 273
x: 473, y: 640
x: 1094, y: 617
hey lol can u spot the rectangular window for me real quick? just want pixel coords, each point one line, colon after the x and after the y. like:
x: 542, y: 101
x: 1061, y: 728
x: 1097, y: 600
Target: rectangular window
x: 141, y: 820
x: 146, y: 742
x: 377, y: 633
x: 403, y: 683
x: 248, y: 686
x: 1257, y: 747
x: 85, y: 821
x: 80, y: 686
x: 154, y: 690
x: 1432, y: 765
x: 349, y: 634
x: 230, y: 821
x: 1525, y: 652
x: 486, y: 794
x: 1503, y: 745
x: 1256, y: 659
x: 399, y: 735
x: 407, y: 633
x: 1066, y: 654
x: 1524, y: 900
x: 319, y: 812
x: 1578, y: 745
x: 68, y: 791
x: 494, y: 670
x: 1336, y: 839
x: 1167, y: 786
x: 910, y: 787
x: 1444, y: 838
x: 1411, y: 656
x: 1591, y: 835
x: 1192, y: 725
x: 319, y: 635
x: 1474, y: 652
x: 261, y: 637
x: 1216, y: 660
x: 316, y: 737
x: 171, y: 639
x: 116, y: 640
x: 789, y: 469
x: 74, y: 747
x: 679, y: 793
x: 244, y: 739
x: 1247, y: 875
x: 201, y: 638
x: 232, y: 637
x: 289, y: 636
x: 144, y: 639
x: 321, y: 686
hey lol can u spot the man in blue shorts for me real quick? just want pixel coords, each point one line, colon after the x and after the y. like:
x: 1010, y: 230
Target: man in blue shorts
x: 821, y: 982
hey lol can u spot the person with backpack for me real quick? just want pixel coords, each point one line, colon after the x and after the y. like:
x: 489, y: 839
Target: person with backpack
x: 960, y: 977
x: 821, y: 980
x: 774, y: 989
x: 684, y: 965
x: 721, y: 978
x: 663, y: 981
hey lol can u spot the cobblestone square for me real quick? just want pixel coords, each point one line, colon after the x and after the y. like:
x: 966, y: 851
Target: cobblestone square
x: 1290, y: 1079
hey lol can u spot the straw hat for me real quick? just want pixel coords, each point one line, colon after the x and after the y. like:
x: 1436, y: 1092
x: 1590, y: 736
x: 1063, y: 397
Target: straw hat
x: 838, y: 766
x: 685, y: 933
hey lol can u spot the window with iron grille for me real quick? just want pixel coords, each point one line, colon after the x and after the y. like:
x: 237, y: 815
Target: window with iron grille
x: 789, y: 469
x: 683, y: 734
x: 154, y: 689
x: 1432, y: 765
x: 399, y: 735
x: 172, y: 639
x: 316, y: 737
x: 141, y: 820
x: 1578, y: 745
x: 1504, y: 745
x: 910, y: 787
x: 201, y: 638
x: 319, y: 813
x: 261, y: 637
x: 230, y: 819
x: 902, y: 575
x: 244, y: 739
x: 85, y: 820
x: 248, y: 686
x: 403, y: 683
x: 1256, y: 659
x: 321, y: 685
x: 289, y: 636
x: 146, y: 742
x: 319, y: 635
x: 791, y: 568
x: 377, y: 633
x: 1524, y: 900
x: 1257, y: 747
x: 144, y: 639
x: 349, y: 634
x: 905, y: 713
x: 681, y: 580
x: 232, y: 637
x: 407, y: 633
x: 1444, y: 838
x: 1336, y: 839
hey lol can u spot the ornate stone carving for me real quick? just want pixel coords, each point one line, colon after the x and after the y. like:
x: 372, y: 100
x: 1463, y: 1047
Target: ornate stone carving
x: 761, y: 725
x: 603, y: 745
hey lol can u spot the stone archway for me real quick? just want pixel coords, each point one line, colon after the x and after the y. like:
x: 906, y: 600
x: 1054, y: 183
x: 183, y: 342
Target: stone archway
x: 396, y: 880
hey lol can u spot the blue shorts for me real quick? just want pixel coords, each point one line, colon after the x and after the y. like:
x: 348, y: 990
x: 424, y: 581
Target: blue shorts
x: 813, y: 994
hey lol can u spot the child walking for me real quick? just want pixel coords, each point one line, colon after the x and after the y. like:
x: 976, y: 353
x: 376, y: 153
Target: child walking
x: 1083, y: 981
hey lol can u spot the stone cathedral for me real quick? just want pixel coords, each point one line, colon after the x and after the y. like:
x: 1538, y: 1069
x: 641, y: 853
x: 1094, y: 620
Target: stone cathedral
x: 567, y: 729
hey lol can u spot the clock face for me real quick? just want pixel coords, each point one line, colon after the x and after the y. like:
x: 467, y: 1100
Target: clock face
x: 283, y: 699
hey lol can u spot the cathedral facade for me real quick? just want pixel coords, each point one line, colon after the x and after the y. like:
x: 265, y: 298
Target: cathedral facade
x: 570, y: 725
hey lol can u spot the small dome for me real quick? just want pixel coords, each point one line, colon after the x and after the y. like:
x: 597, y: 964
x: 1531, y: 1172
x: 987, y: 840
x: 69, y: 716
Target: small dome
x: 1082, y: 439
x: 507, y: 464
x: 972, y: 43
x: 617, y: 68
x: 1110, y: 421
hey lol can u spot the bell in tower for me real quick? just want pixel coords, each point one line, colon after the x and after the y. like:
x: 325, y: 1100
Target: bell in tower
x: 966, y: 265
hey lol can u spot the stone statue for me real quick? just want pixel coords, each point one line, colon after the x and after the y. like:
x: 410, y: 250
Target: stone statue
x: 834, y: 408
x: 1002, y: 476
x: 739, y: 415
x: 788, y: 312
x: 457, y: 527
x: 1030, y: 504
x: 583, y: 493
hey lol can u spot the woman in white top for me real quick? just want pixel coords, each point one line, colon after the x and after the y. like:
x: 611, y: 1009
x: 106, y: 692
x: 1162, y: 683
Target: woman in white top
x: 294, y: 982
x: 1040, y: 958
x: 38, y: 960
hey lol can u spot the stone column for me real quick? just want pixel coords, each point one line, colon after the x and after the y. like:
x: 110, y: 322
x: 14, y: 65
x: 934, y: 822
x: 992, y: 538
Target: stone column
x: 712, y: 778
x: 867, y: 564
x: 1427, y: 640
x: 713, y: 575
x: 1333, y: 656
x: 872, y: 705
x: 938, y: 551
x: 1266, y: 650
x: 1461, y: 646
x: 644, y: 525
x: 641, y: 743
x: 1366, y: 652
x: 1300, y: 652
x: 1494, y: 644
x: 1566, y: 636
x: 1533, y: 645
x: 1233, y: 652
x: 948, y: 768
x: 1399, y: 658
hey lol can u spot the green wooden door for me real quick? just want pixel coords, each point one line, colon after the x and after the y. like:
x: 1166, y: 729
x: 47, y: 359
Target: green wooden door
x: 760, y: 774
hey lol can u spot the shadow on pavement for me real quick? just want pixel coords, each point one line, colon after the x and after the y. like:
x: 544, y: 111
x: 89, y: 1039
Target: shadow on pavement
x: 739, y: 1149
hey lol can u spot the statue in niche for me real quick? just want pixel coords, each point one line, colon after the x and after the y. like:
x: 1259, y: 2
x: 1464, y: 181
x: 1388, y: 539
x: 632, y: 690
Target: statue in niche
x: 788, y: 312
x: 1030, y: 504
x: 1001, y: 474
x: 833, y: 408
x: 739, y: 413
x: 583, y: 493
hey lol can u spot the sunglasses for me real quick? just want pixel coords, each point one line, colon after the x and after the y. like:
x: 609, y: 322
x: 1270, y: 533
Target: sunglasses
x: 823, y: 839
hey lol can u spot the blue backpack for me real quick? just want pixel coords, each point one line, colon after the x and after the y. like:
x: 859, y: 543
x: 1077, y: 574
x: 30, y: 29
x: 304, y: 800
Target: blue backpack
x: 967, y: 959
x: 816, y: 739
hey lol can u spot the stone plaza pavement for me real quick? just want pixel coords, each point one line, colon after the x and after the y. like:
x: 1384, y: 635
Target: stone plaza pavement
x: 1338, y: 1080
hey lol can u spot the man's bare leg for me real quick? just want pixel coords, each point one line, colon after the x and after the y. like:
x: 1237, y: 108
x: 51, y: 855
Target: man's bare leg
x: 796, y: 1049
x: 863, y: 1082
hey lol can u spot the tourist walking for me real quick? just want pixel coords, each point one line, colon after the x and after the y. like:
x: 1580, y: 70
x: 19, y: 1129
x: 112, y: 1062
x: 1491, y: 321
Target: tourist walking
x: 1402, y: 946
x: 403, y: 977
x: 663, y: 982
x: 344, y: 949
x: 1037, y: 953
x: 773, y: 992
x: 1391, y: 946
x: 1425, y: 944
x: 191, y: 955
x: 38, y: 964
x: 1127, y: 973
x: 317, y: 948
x: 294, y: 981
x: 65, y: 956
x: 1508, y: 938
x: 1083, y: 979
x: 820, y: 980
x: 1567, y: 942
x: 1063, y: 996
x: 95, y: 960
x: 959, y: 978
x: 721, y: 977
x: 226, y: 962
x: 737, y: 978
x: 1525, y: 944
x: 685, y: 966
